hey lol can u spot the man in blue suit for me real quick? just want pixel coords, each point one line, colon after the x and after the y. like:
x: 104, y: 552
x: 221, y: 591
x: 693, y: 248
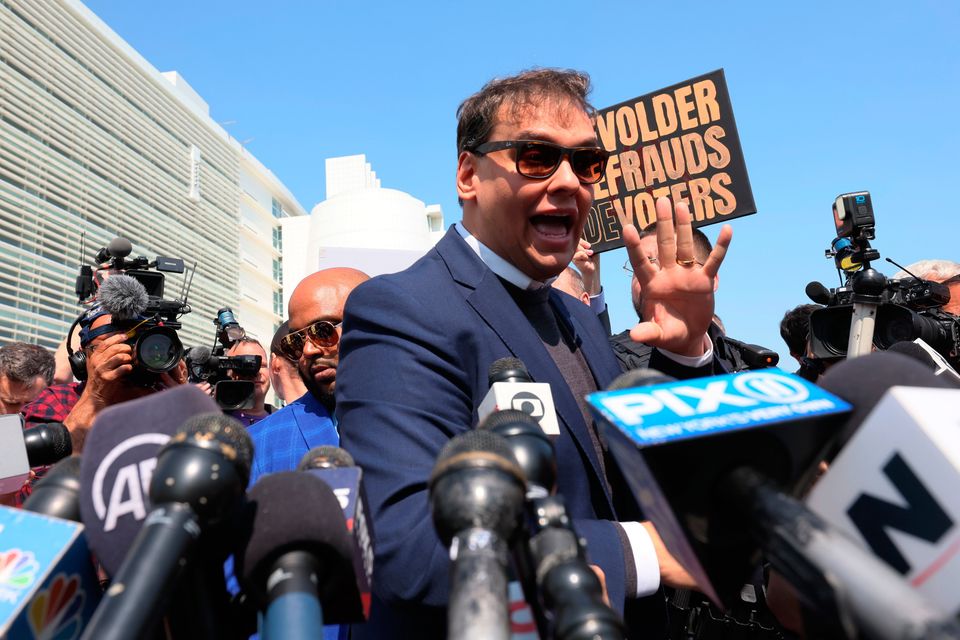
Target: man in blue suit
x: 316, y: 311
x: 417, y: 346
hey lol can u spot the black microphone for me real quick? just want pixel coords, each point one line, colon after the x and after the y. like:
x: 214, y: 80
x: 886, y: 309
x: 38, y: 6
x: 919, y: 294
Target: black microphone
x: 325, y: 457
x: 296, y: 561
x: 819, y: 293
x: 563, y: 591
x: 57, y: 493
x: 753, y: 355
x: 508, y: 370
x: 476, y: 497
x: 47, y: 443
x: 512, y: 387
x: 531, y: 448
x: 337, y: 469
x: 199, y: 480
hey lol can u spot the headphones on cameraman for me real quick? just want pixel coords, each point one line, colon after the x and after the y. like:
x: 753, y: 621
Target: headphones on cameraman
x: 77, y: 359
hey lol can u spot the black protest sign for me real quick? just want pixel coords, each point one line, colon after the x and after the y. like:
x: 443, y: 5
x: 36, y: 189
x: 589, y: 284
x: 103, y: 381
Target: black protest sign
x: 680, y: 142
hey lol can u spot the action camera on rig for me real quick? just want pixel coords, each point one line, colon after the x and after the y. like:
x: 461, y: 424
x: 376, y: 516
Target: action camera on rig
x: 853, y: 215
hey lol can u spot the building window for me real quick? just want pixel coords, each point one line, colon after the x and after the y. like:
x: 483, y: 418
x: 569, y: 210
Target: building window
x: 278, y: 239
x: 278, y: 270
x: 278, y: 304
x: 277, y: 209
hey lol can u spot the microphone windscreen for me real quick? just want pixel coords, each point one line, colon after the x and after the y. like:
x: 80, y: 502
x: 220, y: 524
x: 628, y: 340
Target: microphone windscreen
x: 225, y: 430
x: 862, y: 381
x: 638, y: 378
x: 477, y: 441
x: 47, y: 443
x: 57, y: 493
x: 123, y: 297
x: 118, y: 461
x: 198, y: 355
x: 325, y: 457
x: 294, y: 511
x: 507, y: 418
x: 508, y: 370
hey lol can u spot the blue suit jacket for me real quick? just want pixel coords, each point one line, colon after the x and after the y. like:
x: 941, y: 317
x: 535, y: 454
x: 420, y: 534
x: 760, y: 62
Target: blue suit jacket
x: 414, y: 357
x: 283, y: 437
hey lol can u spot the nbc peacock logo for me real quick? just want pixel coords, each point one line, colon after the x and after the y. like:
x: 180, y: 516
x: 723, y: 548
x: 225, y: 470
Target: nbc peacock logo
x: 56, y: 612
x: 18, y: 571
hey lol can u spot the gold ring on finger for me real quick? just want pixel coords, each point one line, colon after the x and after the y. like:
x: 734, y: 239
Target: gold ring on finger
x: 686, y: 263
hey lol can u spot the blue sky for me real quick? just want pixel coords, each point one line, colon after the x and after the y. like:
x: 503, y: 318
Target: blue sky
x: 828, y: 98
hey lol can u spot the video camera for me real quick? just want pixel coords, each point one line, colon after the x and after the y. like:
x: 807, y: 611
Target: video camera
x: 136, y: 306
x: 890, y: 311
x: 210, y: 365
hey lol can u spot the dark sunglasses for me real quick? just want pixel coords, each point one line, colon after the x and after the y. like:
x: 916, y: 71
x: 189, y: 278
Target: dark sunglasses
x: 539, y: 160
x: 321, y: 333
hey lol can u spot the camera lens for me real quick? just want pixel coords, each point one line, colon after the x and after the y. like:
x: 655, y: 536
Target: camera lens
x: 158, y: 350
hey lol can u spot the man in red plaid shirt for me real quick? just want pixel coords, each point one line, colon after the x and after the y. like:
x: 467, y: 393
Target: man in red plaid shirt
x: 109, y: 360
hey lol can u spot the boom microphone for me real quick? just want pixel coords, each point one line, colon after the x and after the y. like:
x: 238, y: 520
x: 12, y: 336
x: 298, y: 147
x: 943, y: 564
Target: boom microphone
x: 198, y: 482
x: 123, y: 297
x: 296, y: 561
x: 476, y: 497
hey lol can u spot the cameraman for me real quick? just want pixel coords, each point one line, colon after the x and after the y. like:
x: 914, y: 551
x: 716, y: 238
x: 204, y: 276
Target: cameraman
x: 109, y: 363
x: 247, y: 346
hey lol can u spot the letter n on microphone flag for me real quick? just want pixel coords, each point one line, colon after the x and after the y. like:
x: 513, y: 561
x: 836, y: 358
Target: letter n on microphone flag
x: 895, y: 488
x: 48, y: 587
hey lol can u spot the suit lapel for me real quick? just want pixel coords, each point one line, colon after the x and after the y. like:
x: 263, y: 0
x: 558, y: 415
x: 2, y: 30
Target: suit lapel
x: 494, y: 305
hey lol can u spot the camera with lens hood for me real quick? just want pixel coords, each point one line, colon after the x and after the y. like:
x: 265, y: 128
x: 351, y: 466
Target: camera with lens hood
x: 232, y: 378
x: 900, y: 310
x: 131, y: 290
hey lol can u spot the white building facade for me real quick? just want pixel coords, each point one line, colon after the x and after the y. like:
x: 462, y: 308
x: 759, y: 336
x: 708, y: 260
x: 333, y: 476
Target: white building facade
x: 359, y: 225
x: 95, y: 143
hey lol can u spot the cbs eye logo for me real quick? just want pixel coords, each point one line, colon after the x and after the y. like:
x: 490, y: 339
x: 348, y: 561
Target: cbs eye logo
x: 529, y: 403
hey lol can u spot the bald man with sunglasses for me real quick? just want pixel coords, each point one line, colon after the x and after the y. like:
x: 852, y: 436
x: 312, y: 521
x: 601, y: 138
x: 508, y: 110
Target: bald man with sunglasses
x: 417, y: 346
x: 313, y: 342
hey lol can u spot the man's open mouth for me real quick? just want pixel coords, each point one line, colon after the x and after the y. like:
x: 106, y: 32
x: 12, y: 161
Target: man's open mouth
x: 552, y: 225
